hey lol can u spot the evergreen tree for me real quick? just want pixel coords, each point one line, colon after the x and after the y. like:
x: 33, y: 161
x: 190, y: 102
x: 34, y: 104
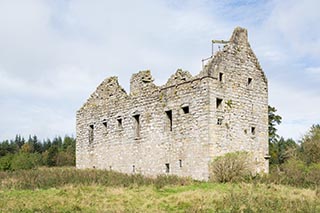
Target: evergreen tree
x: 274, y: 120
x: 282, y: 150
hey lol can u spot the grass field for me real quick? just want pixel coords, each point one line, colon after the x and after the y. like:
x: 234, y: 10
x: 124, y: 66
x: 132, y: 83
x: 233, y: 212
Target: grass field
x: 70, y: 190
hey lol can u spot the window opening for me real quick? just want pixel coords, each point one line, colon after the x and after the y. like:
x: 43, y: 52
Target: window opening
x: 180, y: 163
x: 185, y: 109
x: 136, y: 125
x: 91, y: 133
x: 253, y: 130
x: 105, y: 123
x: 219, y: 121
x: 249, y: 81
x: 169, y: 116
x: 219, y: 103
x: 167, y: 167
x: 133, y: 168
x: 220, y: 76
x: 119, y: 123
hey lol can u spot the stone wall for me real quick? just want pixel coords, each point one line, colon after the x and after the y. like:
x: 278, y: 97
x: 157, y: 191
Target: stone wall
x: 178, y: 128
x: 243, y: 116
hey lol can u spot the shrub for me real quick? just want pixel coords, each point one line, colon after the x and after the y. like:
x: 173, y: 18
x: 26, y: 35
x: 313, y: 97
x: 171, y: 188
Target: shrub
x: 231, y: 167
x: 313, y: 176
x: 65, y: 159
x: 298, y: 173
x: 50, y: 156
x: 5, y: 162
x: 25, y: 161
x: 311, y: 145
x: 295, y: 172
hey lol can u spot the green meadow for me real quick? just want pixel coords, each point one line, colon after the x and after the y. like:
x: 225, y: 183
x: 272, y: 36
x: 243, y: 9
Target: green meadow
x: 71, y: 190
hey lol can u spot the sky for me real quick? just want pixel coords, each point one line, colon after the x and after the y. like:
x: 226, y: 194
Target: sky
x: 53, y: 54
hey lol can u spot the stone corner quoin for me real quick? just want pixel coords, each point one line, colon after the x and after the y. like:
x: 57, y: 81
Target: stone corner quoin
x: 179, y: 127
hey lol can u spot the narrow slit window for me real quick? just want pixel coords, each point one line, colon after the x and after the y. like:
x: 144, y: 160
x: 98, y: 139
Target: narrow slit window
x: 119, y: 120
x: 219, y: 103
x: 219, y: 121
x: 169, y: 116
x: 167, y: 168
x: 105, y: 123
x: 180, y: 163
x: 91, y: 133
x: 220, y: 76
x: 133, y: 168
x: 136, y: 126
x: 185, y: 109
x: 253, y: 130
x: 249, y: 81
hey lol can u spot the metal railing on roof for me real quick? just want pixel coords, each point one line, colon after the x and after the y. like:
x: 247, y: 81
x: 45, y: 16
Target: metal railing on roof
x: 212, y: 49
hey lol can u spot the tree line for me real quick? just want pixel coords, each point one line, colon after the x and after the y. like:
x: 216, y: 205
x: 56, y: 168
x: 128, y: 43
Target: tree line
x: 21, y: 153
x: 306, y: 150
x: 294, y: 162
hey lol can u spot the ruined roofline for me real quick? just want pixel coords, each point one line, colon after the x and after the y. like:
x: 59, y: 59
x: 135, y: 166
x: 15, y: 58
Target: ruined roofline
x: 238, y: 37
x: 189, y: 81
x: 111, y: 88
x: 143, y: 79
x: 107, y: 88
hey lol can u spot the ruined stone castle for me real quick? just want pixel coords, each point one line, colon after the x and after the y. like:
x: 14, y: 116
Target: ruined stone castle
x: 179, y: 127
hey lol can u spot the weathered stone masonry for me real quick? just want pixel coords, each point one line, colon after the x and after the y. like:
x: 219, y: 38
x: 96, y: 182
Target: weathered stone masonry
x: 178, y: 128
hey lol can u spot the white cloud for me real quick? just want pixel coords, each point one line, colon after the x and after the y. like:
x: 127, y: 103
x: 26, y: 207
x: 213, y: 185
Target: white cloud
x: 313, y: 73
x: 313, y: 70
x: 296, y: 22
x: 54, y: 53
x: 288, y: 47
x: 35, y: 118
x: 299, y: 109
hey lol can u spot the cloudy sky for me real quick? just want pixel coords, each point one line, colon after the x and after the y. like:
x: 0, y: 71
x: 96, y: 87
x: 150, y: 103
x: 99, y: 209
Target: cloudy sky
x: 53, y: 54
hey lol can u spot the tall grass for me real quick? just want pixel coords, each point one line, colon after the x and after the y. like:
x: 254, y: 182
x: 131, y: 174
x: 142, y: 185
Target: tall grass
x: 43, y: 178
x: 69, y: 190
x: 200, y: 197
